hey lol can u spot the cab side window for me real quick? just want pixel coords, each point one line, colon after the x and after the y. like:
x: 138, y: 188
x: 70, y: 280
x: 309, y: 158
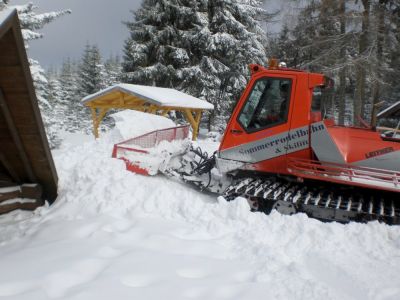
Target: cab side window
x: 267, y: 104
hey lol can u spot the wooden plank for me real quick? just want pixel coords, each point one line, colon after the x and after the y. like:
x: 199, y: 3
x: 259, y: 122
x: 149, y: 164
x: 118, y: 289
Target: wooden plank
x: 30, y: 206
x: 9, y: 167
x: 5, y: 181
x: 15, y: 90
x: 16, y: 138
x: 13, y: 72
x: 9, y: 195
x: 9, y: 53
x: 12, y: 84
x: 31, y: 191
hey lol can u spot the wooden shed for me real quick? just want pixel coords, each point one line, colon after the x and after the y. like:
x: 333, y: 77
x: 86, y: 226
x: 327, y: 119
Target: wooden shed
x: 26, y: 166
x: 147, y: 99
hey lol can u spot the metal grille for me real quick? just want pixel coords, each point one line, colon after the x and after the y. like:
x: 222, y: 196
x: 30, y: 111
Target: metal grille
x: 152, y: 139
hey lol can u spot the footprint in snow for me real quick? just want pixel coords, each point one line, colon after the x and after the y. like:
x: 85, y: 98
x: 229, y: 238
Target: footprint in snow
x: 192, y: 273
x: 138, y: 280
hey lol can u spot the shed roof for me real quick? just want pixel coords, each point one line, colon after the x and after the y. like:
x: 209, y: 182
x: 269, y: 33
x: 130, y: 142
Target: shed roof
x: 25, y: 156
x: 392, y: 111
x: 5, y: 14
x: 162, y: 97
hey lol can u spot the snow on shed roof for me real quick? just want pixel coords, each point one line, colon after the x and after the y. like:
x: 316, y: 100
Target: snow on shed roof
x: 155, y: 95
x: 5, y: 14
x: 391, y: 111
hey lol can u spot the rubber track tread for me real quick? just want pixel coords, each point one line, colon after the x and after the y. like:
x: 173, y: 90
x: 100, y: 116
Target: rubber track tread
x: 326, y: 204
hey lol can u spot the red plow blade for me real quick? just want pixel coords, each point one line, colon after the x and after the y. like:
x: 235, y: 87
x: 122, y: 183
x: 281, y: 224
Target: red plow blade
x: 137, y: 152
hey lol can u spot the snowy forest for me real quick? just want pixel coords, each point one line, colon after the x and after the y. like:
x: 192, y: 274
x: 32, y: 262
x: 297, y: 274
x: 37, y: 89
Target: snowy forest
x: 204, y: 48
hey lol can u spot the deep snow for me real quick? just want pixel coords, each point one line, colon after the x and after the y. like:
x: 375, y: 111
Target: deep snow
x: 113, y: 234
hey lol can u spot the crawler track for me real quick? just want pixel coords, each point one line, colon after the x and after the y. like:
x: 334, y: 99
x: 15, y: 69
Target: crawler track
x: 323, y: 202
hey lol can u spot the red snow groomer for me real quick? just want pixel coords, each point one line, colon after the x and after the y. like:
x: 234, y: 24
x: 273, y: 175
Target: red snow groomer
x: 281, y: 152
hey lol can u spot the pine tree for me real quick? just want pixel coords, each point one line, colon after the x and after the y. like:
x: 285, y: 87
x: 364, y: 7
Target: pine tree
x: 3, y: 4
x: 52, y: 95
x: 154, y: 50
x: 323, y: 41
x: 113, y: 70
x: 70, y: 97
x: 91, y: 72
x: 282, y: 47
x: 197, y: 46
x: 31, y: 21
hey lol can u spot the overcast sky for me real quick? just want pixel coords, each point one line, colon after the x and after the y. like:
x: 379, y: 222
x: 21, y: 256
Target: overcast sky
x: 92, y: 21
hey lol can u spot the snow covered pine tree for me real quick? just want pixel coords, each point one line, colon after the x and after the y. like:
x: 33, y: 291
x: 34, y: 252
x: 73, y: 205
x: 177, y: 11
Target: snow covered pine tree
x: 30, y: 22
x: 196, y: 46
x: 355, y: 43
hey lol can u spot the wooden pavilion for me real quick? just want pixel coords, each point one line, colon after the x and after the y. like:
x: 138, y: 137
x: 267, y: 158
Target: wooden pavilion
x: 146, y: 99
x: 26, y: 165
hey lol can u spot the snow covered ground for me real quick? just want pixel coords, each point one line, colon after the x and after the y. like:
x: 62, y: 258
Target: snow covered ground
x: 113, y: 234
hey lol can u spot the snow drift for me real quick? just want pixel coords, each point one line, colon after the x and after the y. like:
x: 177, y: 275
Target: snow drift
x: 113, y: 234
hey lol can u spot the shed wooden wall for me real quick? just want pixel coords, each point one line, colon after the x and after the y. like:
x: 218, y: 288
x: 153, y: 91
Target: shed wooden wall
x: 25, y: 156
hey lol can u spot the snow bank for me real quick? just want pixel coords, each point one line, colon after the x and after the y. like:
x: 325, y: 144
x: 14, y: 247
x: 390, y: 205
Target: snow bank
x: 113, y: 234
x: 157, y: 158
x: 132, y: 123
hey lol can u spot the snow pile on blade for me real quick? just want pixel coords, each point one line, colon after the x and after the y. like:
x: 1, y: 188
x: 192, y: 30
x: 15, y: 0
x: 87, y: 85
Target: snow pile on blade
x: 131, y: 123
x: 153, y: 151
x: 113, y: 234
x: 148, y: 151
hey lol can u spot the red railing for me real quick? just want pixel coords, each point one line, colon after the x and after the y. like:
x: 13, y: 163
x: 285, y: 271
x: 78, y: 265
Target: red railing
x: 149, y: 140
x: 347, y: 174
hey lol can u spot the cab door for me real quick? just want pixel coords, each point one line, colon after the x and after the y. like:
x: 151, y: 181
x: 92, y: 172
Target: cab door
x: 259, y: 127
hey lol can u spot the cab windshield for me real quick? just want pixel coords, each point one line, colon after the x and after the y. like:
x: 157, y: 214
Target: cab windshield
x: 267, y: 104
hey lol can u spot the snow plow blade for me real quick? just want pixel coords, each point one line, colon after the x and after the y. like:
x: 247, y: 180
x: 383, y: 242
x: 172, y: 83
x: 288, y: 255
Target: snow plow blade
x: 148, y: 153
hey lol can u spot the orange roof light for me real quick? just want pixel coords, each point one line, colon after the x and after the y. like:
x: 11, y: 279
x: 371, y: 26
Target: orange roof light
x: 273, y: 63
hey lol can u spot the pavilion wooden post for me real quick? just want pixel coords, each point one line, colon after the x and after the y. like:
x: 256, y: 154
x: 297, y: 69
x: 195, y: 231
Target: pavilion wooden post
x: 94, y: 120
x: 197, y: 120
x: 97, y: 119
x: 194, y: 121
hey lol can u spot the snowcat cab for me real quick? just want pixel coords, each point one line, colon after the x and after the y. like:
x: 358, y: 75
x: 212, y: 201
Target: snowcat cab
x: 279, y: 128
